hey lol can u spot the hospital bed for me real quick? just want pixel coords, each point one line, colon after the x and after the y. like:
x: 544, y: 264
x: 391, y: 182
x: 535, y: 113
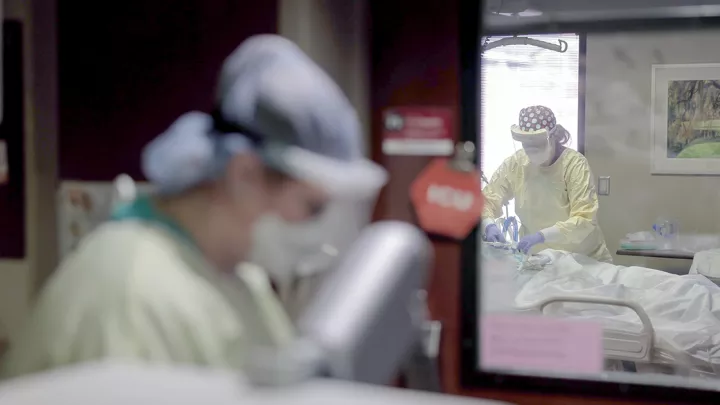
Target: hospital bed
x: 654, y: 322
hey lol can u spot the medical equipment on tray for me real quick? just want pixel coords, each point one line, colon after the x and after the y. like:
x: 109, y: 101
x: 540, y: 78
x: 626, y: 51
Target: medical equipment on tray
x: 639, y: 241
x: 522, y: 261
x: 665, y: 228
x: 376, y: 294
x: 666, y: 231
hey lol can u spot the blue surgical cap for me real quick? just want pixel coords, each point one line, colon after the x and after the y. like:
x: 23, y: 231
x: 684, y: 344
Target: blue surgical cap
x: 272, y: 100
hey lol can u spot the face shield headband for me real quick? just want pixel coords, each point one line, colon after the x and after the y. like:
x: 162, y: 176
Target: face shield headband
x: 357, y: 179
x: 537, y: 144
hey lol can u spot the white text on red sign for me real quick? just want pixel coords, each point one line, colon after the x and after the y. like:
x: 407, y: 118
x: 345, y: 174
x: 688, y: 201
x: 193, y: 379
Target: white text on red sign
x: 425, y: 122
x: 448, y: 197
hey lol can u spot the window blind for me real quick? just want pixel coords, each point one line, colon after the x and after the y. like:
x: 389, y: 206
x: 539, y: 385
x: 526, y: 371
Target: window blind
x: 517, y: 76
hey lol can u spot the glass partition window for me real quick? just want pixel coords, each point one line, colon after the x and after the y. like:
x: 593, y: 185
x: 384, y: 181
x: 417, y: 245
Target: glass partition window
x: 603, y: 283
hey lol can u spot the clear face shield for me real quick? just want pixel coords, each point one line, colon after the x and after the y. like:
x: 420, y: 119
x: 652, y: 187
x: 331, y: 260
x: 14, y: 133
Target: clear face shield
x: 538, y: 146
x: 295, y: 254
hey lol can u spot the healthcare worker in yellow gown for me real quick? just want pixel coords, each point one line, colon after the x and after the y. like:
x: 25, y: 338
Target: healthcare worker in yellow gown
x: 553, y: 187
x: 249, y: 182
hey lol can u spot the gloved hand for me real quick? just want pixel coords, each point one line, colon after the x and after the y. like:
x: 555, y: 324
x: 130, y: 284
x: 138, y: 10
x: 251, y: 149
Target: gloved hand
x: 527, y: 242
x: 493, y: 234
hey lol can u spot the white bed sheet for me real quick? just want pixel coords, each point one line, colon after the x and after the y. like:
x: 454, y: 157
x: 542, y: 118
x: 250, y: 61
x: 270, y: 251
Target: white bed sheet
x: 684, y: 310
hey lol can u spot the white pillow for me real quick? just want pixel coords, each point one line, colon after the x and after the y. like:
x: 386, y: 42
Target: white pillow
x: 706, y: 263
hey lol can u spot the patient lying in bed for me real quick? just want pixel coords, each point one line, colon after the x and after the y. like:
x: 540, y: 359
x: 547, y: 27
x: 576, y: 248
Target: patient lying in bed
x: 684, y: 310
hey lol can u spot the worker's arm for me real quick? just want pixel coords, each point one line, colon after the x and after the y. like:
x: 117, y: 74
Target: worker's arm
x: 499, y: 191
x: 583, y: 199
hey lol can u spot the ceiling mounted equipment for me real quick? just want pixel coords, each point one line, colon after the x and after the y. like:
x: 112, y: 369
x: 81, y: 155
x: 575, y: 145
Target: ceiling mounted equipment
x: 561, y: 46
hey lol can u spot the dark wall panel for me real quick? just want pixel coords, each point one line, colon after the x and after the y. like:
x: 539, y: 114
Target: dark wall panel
x: 128, y: 69
x: 415, y: 61
x: 12, y: 131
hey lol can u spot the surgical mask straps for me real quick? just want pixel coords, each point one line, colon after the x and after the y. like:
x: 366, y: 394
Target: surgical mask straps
x: 223, y: 126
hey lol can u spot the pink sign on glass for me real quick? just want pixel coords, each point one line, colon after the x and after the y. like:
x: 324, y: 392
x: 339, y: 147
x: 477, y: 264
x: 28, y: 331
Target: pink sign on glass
x: 540, y: 344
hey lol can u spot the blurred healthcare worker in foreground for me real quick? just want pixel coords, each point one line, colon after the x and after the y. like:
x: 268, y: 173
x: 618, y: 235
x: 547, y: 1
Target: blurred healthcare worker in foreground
x: 553, y: 188
x: 161, y: 282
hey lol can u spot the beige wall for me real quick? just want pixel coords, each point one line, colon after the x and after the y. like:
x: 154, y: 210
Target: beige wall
x: 17, y: 277
x: 334, y: 34
x: 618, y: 139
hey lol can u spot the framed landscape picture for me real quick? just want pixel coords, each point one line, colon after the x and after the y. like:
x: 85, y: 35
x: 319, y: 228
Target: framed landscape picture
x: 685, y: 119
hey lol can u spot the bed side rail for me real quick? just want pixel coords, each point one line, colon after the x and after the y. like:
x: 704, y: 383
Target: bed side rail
x: 622, y: 345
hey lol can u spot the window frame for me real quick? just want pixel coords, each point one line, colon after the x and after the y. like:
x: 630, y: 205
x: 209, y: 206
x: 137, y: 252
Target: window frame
x: 471, y: 376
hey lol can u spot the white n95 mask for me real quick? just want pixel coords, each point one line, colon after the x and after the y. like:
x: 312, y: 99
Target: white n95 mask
x: 282, y: 251
x: 540, y: 155
x: 289, y: 250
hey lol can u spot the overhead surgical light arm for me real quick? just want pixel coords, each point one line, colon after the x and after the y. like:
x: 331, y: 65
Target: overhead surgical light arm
x: 561, y: 46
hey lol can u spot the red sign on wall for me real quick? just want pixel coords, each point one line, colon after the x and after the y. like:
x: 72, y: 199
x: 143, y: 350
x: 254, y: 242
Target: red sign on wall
x: 419, y: 131
x: 448, y: 202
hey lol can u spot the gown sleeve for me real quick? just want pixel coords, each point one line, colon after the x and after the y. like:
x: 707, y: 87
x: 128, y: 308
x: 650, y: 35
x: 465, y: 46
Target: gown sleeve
x: 499, y: 191
x: 583, y: 199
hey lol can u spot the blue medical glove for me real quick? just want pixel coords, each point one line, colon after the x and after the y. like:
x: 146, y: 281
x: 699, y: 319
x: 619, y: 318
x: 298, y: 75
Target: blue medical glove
x: 493, y: 234
x: 527, y: 242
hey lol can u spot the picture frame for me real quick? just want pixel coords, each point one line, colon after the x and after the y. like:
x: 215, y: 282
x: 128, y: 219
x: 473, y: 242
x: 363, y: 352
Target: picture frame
x: 685, y: 119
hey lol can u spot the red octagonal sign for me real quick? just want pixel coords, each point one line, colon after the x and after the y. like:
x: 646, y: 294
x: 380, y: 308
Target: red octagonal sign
x: 448, y: 202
